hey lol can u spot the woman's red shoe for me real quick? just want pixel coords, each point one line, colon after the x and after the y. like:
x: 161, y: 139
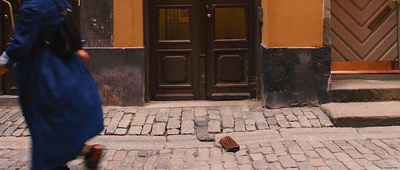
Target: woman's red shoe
x: 93, y: 157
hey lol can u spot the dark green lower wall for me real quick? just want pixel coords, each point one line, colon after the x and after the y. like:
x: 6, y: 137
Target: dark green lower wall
x: 119, y: 74
x: 289, y: 77
x: 295, y: 76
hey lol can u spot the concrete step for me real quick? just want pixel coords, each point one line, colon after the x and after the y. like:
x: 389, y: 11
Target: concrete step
x: 365, y: 90
x: 363, y: 114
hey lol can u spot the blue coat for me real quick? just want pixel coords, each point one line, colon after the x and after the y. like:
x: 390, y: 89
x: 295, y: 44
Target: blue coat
x: 58, y: 96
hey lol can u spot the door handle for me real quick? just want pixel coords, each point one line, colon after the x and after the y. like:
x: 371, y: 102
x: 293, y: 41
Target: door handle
x: 11, y: 13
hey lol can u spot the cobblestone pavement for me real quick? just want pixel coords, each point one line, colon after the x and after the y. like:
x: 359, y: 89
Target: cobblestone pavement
x: 175, y: 121
x: 165, y: 138
x: 323, y: 148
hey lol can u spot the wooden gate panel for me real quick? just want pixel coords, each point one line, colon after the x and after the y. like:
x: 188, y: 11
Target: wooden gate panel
x: 230, y: 53
x: 364, y: 30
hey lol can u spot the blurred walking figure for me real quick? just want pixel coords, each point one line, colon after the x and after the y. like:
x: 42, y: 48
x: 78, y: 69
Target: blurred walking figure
x: 58, y: 96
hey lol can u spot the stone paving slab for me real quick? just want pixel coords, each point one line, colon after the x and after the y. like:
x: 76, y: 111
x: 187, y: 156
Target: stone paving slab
x: 363, y: 110
x: 362, y: 114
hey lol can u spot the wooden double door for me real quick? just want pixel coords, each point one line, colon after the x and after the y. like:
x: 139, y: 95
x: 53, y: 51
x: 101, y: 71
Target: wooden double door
x: 202, y: 49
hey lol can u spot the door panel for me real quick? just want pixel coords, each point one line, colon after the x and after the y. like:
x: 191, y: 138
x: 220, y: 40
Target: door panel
x: 174, y: 23
x: 174, y: 55
x: 196, y: 56
x: 230, y: 67
x: 230, y: 49
x: 175, y: 69
x: 230, y: 22
x: 364, y: 32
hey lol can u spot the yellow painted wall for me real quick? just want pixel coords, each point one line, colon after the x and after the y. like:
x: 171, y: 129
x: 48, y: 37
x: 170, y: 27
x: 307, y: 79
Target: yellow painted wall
x: 292, y: 23
x: 287, y: 23
x: 128, y: 23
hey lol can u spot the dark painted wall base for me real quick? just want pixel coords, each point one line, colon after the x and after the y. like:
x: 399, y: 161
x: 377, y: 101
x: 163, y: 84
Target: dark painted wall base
x: 364, y: 122
x: 119, y: 75
x: 386, y: 76
x: 295, y: 77
x: 365, y: 95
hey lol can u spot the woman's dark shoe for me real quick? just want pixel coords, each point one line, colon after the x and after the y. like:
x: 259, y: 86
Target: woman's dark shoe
x: 65, y: 167
x: 93, y: 156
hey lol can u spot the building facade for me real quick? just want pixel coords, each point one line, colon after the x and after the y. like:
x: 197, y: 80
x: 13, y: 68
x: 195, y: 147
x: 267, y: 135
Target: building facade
x: 277, y: 51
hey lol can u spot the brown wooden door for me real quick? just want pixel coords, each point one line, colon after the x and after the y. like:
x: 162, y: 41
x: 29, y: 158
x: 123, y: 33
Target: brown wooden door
x: 194, y: 52
x: 364, y: 35
x: 7, y: 85
x: 8, y: 16
x: 174, y: 49
x: 230, y: 45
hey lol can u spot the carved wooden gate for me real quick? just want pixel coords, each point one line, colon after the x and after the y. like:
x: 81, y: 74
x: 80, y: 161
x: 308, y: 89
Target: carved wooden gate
x: 364, y: 36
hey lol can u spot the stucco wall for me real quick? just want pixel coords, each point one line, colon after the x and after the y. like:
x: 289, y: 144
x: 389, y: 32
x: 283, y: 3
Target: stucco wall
x: 119, y: 75
x: 96, y: 23
x: 128, y: 23
x: 113, y: 30
x: 295, y: 53
x: 292, y: 23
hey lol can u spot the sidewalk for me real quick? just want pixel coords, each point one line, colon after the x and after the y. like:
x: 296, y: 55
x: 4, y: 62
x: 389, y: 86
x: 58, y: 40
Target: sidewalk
x: 158, y: 121
x: 168, y: 138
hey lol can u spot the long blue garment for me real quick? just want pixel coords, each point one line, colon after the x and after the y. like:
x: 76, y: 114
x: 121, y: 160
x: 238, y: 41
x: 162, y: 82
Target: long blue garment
x: 58, y: 96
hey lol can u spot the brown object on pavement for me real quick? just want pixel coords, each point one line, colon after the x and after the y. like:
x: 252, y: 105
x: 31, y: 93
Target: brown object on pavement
x: 229, y: 144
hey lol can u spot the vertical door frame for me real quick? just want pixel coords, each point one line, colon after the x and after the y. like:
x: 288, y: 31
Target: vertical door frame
x: 1, y: 27
x: 146, y: 26
x: 398, y: 32
x: 2, y: 42
x: 258, y: 27
x: 8, y: 79
x: 146, y: 37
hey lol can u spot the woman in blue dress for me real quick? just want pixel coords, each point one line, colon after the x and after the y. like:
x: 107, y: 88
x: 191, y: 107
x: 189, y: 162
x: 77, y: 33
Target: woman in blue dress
x: 57, y: 94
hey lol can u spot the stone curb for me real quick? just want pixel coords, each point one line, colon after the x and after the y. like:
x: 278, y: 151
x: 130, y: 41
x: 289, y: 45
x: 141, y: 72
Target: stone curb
x: 186, y: 141
x: 321, y: 134
x: 380, y: 132
x: 190, y: 141
x: 251, y: 137
x: 130, y: 142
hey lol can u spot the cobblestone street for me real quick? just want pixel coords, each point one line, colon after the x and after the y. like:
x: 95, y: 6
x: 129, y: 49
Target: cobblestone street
x: 169, y: 138
x: 175, y: 121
